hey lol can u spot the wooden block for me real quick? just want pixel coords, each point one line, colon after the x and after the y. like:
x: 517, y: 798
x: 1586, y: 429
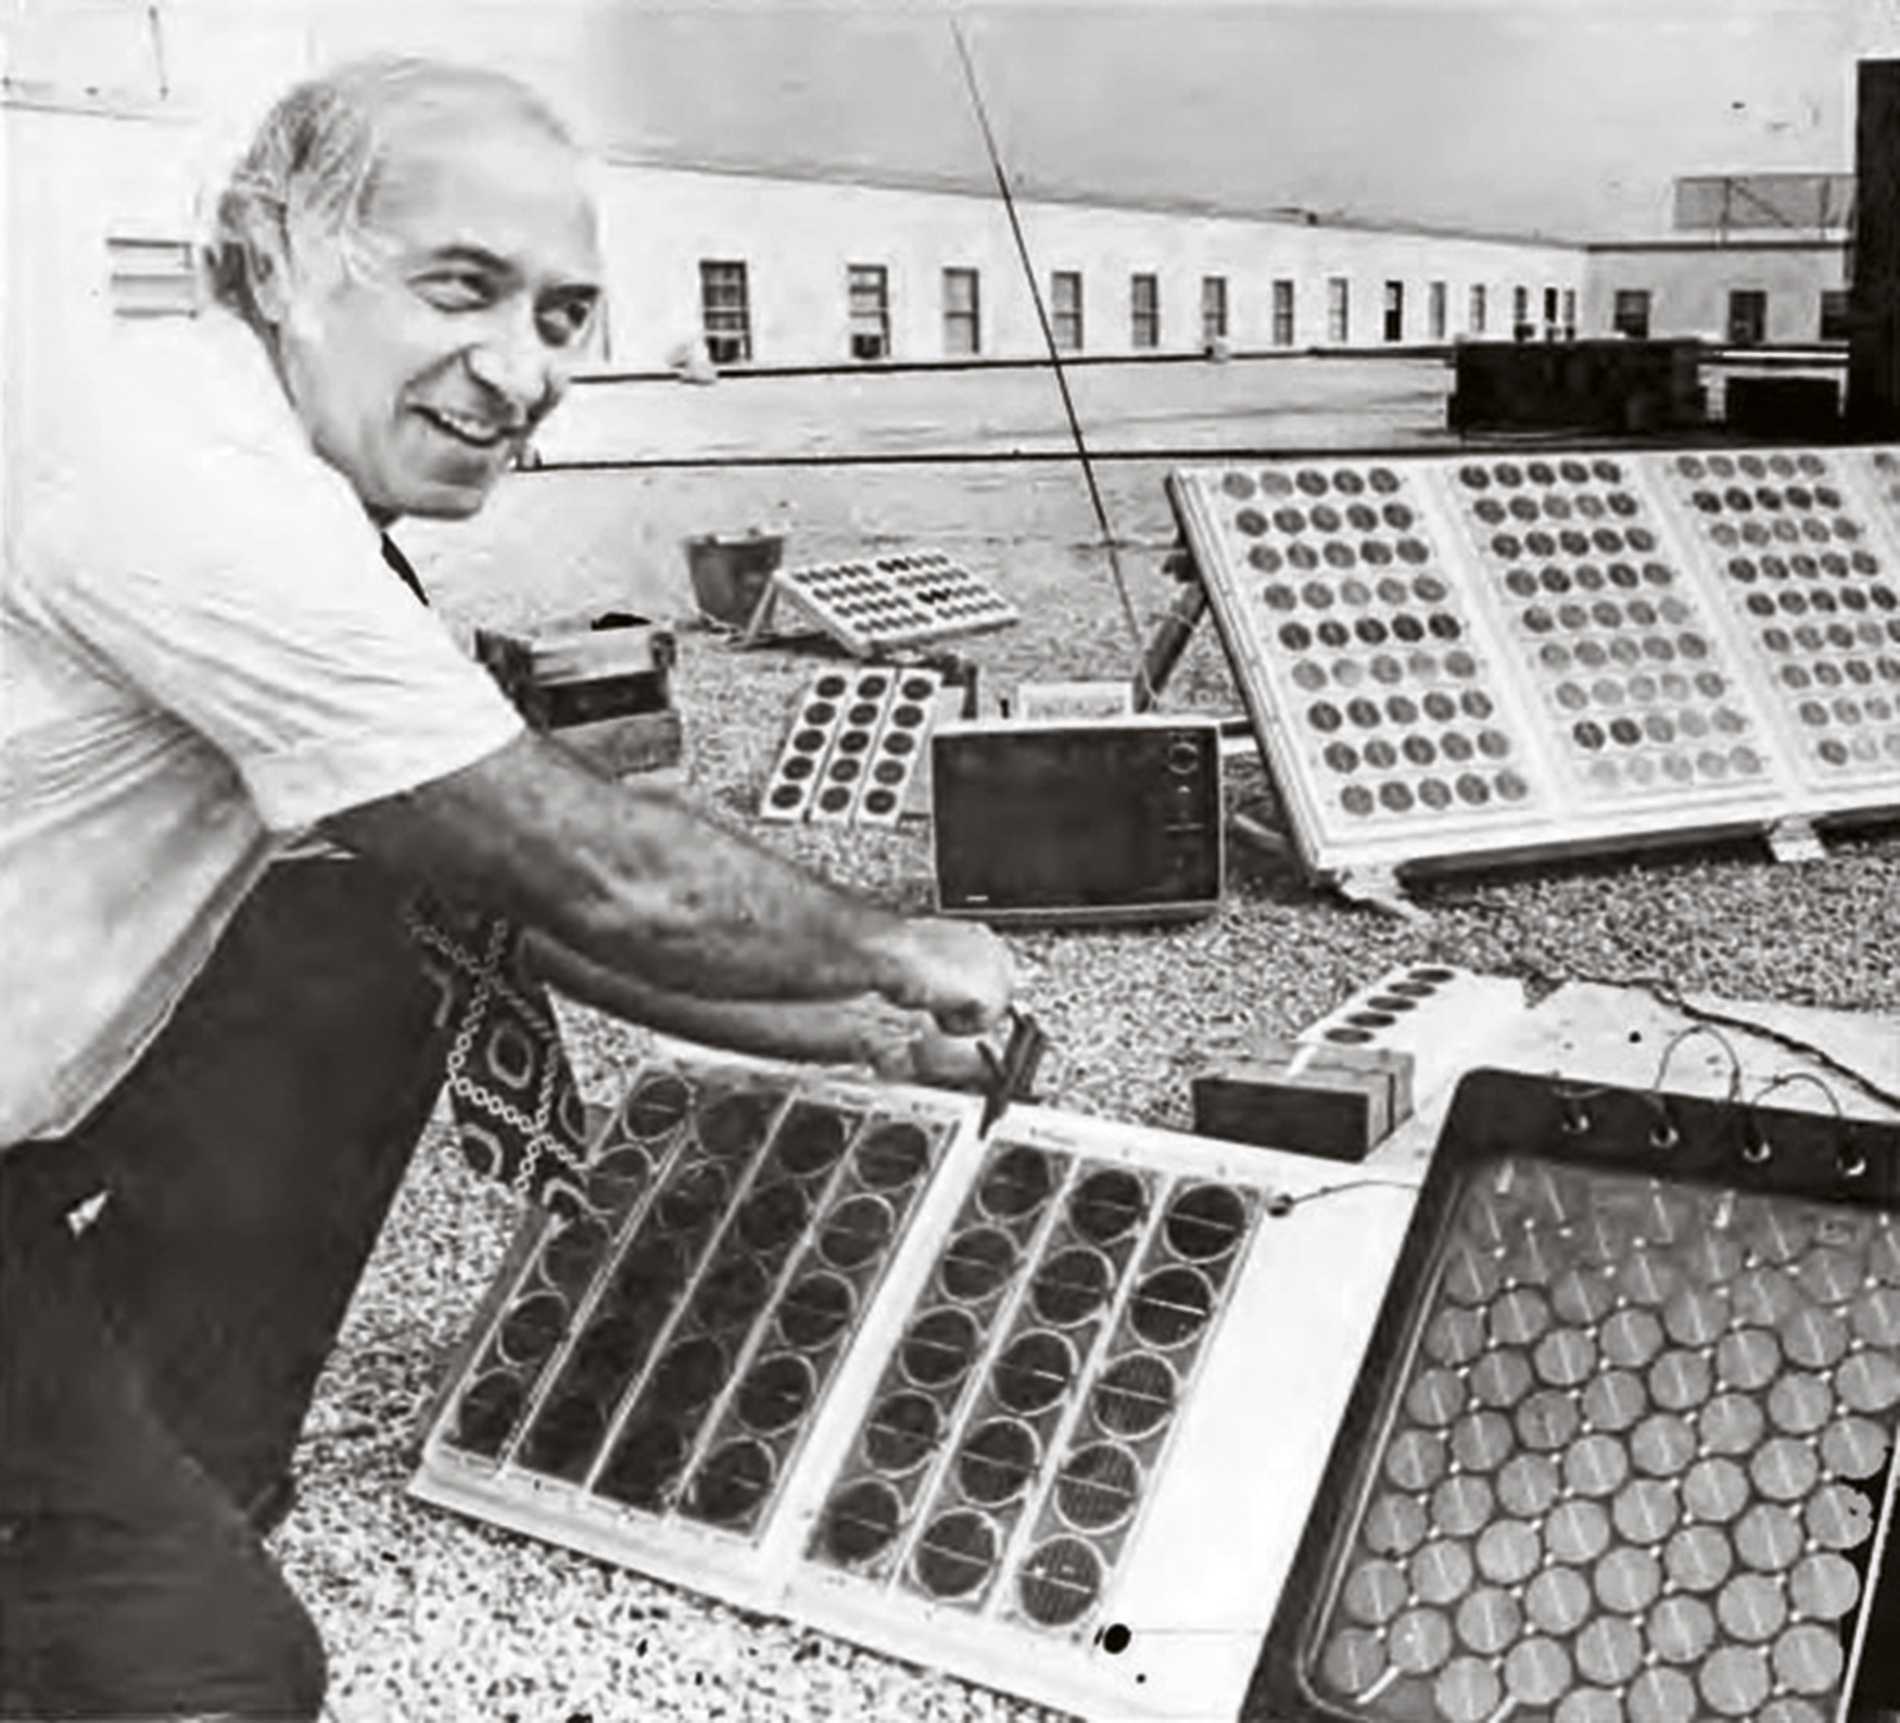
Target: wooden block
x: 1339, y: 1102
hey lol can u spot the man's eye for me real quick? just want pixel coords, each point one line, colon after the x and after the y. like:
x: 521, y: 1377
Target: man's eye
x: 458, y: 292
x: 564, y: 321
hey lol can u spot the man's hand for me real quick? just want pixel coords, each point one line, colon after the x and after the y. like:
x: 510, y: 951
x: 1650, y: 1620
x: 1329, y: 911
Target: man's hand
x: 958, y: 971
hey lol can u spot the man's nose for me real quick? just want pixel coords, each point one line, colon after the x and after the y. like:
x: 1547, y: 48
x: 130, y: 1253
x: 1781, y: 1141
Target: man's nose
x: 513, y: 360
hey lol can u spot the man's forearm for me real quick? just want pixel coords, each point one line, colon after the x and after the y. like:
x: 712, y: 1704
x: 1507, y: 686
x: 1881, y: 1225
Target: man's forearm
x: 631, y: 879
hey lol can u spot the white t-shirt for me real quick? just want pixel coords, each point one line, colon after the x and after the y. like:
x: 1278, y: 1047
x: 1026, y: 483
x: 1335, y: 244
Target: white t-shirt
x: 201, y: 653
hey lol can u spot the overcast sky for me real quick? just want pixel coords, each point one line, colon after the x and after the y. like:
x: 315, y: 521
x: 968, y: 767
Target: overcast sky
x: 1569, y: 117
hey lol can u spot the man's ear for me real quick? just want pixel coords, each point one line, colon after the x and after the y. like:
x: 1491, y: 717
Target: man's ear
x: 267, y: 267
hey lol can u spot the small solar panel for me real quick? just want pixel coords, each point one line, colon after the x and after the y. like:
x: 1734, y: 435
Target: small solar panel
x: 1623, y: 1444
x: 828, y: 1351
x: 853, y: 746
x: 1455, y: 658
x: 886, y: 601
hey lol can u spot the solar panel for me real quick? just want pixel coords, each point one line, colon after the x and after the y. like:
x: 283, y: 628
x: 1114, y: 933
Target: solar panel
x: 1450, y: 659
x: 1622, y: 1447
x: 826, y: 1350
x: 853, y: 745
x: 879, y: 602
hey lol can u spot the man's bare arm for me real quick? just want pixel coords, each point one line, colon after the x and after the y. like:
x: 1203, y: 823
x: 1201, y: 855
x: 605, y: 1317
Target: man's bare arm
x: 898, y: 1044
x: 631, y: 879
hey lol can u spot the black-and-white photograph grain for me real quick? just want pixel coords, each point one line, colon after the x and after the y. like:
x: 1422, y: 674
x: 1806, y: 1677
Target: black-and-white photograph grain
x: 969, y: 861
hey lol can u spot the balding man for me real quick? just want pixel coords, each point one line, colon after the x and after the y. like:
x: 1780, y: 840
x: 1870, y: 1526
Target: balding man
x: 211, y: 652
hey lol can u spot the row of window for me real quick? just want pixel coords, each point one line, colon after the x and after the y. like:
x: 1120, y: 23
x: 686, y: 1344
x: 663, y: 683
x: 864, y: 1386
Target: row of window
x: 726, y: 317
x: 1747, y: 314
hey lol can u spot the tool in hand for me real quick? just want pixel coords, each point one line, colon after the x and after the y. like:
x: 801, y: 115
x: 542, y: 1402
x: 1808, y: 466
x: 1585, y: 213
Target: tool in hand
x: 1012, y: 1073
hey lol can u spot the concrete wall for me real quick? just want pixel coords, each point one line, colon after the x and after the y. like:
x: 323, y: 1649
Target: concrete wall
x: 1689, y: 285
x: 797, y: 237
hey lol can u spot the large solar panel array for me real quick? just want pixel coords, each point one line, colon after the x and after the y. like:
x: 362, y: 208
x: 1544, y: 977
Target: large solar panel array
x: 828, y: 1350
x: 1623, y: 1447
x: 1454, y: 658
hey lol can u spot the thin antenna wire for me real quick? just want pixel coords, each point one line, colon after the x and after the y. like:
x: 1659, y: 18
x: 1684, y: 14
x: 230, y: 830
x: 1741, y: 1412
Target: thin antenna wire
x: 1146, y: 689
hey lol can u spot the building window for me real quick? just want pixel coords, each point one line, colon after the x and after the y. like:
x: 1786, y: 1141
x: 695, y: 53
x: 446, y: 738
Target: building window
x: 1477, y: 311
x: 1338, y: 309
x: 1283, y: 313
x: 1570, y: 314
x: 1065, y: 309
x: 151, y: 277
x: 869, y: 291
x: 1435, y: 311
x: 1836, y: 304
x: 962, y: 312
x: 1395, y: 311
x: 1550, y: 314
x: 1521, y: 313
x: 725, y: 313
x: 1213, y: 309
x: 1747, y: 317
x: 1629, y: 312
x: 1144, y: 311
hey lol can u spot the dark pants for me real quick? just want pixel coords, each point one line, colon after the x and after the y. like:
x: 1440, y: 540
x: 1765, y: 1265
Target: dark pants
x: 156, y: 1367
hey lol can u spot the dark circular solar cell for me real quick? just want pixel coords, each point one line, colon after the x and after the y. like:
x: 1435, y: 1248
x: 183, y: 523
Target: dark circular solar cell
x: 809, y: 741
x: 902, y: 1432
x: 1265, y: 558
x: 1071, y: 1286
x: 886, y: 772
x: 647, y: 1459
x: 775, y: 1393
x: 1311, y: 482
x: 654, y: 1108
x: 892, y: 1155
x: 571, y: 1256
x: 565, y: 1434
x: 996, y: 1461
x: 1205, y: 1222
x: 691, y: 1198
x: 1357, y: 800
x: 879, y: 802
x: 898, y: 743
x: 735, y: 1124
x: 1018, y: 1182
x: 617, y: 1178
x: 796, y: 770
x: 810, y: 1140
x: 734, y: 1291
x: 861, y: 1520
x: 956, y: 1553
x: 829, y: 687
x: 939, y: 1348
x: 689, y: 1375
x: 1381, y: 756
x: 1171, y: 1306
x: 852, y: 742
x: 1033, y: 1372
x: 773, y: 1215
x: 840, y: 771
x: 1059, y: 1583
x: 1107, y: 1205
x: 734, y: 1480
x: 858, y: 1230
x: 1251, y: 521
x: 815, y: 1310
x: 1340, y: 757
x: 834, y: 800
x: 488, y: 1412
x: 532, y: 1329
x: 976, y: 1262
x: 1097, y: 1487
x: 1333, y: 633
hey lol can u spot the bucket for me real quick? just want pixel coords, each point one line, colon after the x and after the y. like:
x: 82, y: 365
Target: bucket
x: 729, y: 574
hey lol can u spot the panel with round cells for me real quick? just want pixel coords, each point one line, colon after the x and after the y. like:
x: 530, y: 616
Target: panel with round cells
x: 1629, y: 674
x: 670, y: 1354
x: 1814, y: 592
x: 897, y: 600
x: 1009, y: 1445
x: 852, y: 747
x: 1332, y: 571
x: 1634, y: 1459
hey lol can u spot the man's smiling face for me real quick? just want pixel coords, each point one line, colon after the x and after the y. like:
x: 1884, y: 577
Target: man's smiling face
x: 425, y: 342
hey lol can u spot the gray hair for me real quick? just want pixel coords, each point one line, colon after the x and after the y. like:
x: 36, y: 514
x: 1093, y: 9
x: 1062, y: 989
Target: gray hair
x: 319, y: 151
